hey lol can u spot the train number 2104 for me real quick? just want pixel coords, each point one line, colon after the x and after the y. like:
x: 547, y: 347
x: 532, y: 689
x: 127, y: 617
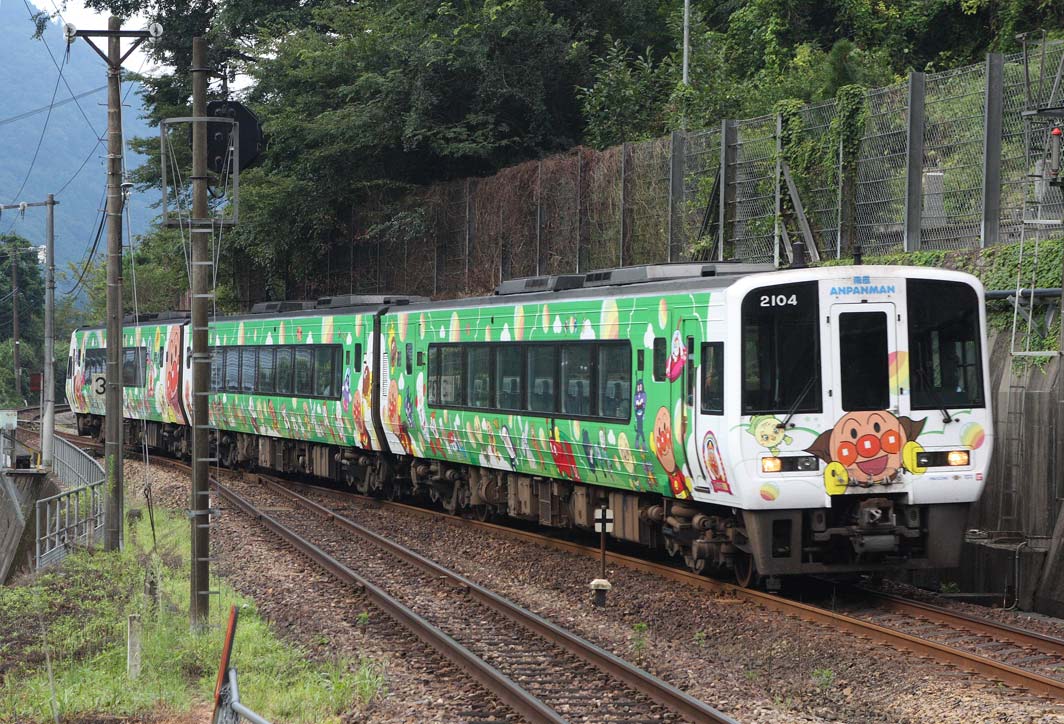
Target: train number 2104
x: 779, y: 300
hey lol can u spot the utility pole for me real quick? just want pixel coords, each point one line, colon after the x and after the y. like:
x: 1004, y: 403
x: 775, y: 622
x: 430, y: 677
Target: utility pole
x: 113, y: 399
x: 14, y: 318
x: 48, y: 418
x: 201, y: 229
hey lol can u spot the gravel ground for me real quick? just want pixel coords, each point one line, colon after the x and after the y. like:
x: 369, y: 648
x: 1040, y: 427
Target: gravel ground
x: 758, y: 666
x: 309, y: 609
x: 753, y: 664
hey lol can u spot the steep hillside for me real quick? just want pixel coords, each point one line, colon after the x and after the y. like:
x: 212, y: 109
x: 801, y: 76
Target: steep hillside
x: 27, y: 80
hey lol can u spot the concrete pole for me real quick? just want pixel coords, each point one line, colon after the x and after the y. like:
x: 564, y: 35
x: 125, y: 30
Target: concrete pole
x: 48, y: 419
x: 686, y: 39
x: 199, y: 604
x: 113, y: 400
x: 16, y: 342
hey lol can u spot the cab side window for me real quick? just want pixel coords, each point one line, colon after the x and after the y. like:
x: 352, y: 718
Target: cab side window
x: 713, y: 378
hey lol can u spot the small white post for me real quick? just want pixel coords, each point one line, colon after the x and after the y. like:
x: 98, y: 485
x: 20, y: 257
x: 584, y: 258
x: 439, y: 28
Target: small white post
x: 133, y: 646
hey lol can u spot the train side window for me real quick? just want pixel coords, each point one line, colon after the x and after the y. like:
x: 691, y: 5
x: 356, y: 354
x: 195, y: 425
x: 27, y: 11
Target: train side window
x: 216, y: 369
x: 409, y: 358
x: 358, y: 357
x: 249, y: 359
x: 133, y: 363
x: 283, y: 371
x: 304, y: 366
x: 542, y: 369
x: 576, y: 380
x: 713, y: 378
x: 232, y: 369
x: 452, y: 390
x: 70, y: 365
x: 478, y: 375
x: 324, y: 379
x: 661, y: 356
x: 264, y: 384
x: 614, y: 380
x: 509, y: 369
x: 434, y: 375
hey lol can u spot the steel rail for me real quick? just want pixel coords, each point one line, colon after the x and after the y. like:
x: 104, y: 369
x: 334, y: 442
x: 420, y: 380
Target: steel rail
x: 1006, y: 673
x: 1002, y: 631
x: 660, y: 691
x: 1000, y: 671
x: 520, y: 700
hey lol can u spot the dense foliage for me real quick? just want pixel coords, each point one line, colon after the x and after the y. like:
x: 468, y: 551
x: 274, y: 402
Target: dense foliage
x: 362, y: 101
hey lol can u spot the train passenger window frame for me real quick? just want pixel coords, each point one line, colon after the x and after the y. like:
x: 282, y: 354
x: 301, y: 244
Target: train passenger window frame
x: 582, y: 402
x: 324, y: 380
x: 660, y: 358
x: 264, y: 380
x: 479, y: 361
x: 284, y: 356
x: 537, y: 362
x: 303, y: 387
x: 217, y: 369
x: 134, y: 362
x: 232, y: 376
x: 409, y: 358
x: 249, y: 363
x: 711, y: 401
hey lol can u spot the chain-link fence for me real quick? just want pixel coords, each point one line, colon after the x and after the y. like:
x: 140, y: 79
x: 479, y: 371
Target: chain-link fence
x: 899, y: 177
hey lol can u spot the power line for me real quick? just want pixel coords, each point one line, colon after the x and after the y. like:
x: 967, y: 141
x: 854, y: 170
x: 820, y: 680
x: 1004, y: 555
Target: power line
x: 42, y: 109
x: 40, y: 140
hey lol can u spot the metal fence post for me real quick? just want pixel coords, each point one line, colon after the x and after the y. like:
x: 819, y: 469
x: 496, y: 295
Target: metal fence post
x: 621, y: 240
x: 777, y: 200
x: 583, y: 241
x: 468, y: 229
x: 436, y: 250
x: 914, y: 163
x: 677, y: 152
x: 540, y: 262
x: 994, y: 107
x: 727, y: 183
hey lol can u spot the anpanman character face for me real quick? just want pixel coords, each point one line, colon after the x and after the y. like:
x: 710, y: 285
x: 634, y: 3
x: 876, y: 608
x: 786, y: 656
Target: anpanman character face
x: 869, y: 445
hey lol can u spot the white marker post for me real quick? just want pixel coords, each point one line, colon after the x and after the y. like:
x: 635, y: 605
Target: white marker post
x: 603, y: 525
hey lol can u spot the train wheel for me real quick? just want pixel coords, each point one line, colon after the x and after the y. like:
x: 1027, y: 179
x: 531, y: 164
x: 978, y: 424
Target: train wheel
x: 746, y: 570
x: 482, y: 512
x: 698, y: 565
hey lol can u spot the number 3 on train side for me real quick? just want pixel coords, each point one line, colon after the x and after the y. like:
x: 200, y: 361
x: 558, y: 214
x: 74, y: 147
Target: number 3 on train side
x: 99, y: 384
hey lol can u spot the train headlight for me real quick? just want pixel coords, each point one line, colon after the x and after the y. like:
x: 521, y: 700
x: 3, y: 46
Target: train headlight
x: 957, y: 458
x: 771, y: 465
x: 790, y: 464
x: 943, y: 459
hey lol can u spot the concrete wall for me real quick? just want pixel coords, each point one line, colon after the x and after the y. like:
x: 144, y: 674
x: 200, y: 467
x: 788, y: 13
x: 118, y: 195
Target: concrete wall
x: 1026, y: 477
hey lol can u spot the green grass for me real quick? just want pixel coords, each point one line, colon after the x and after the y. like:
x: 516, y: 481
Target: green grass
x: 83, y: 608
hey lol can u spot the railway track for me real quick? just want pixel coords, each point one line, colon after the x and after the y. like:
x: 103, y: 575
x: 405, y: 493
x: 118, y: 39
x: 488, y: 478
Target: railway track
x: 1020, y: 658
x: 539, y: 669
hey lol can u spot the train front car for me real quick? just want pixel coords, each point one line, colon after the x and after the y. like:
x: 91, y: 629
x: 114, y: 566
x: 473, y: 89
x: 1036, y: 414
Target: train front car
x: 860, y: 424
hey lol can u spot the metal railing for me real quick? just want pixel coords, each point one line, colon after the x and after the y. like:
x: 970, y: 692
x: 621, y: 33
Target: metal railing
x: 75, y: 516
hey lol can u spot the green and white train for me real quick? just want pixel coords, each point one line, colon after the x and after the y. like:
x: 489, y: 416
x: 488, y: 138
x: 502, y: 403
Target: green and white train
x: 819, y: 420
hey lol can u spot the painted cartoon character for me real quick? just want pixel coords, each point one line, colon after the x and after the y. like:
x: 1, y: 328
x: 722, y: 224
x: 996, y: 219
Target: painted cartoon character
x: 768, y: 432
x: 433, y: 433
x: 508, y: 445
x: 405, y: 421
x: 562, y: 452
x: 360, y: 420
x: 173, y: 369
x: 868, y: 448
x: 661, y: 442
x: 595, y: 463
x: 677, y: 359
x: 639, y: 402
x: 718, y: 478
x: 345, y: 391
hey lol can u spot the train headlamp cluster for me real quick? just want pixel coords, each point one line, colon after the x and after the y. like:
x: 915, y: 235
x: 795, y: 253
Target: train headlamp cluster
x: 790, y: 464
x: 943, y: 459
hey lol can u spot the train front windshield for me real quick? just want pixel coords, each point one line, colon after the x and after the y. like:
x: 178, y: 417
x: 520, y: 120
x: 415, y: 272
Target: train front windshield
x: 781, y: 350
x: 945, y: 355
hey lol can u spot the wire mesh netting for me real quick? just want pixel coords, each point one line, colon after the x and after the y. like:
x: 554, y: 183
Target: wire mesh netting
x: 752, y: 201
x: 650, y: 201
x: 602, y: 180
x: 1024, y: 145
x: 701, y: 182
x: 880, y: 207
x: 818, y: 184
x: 955, y: 117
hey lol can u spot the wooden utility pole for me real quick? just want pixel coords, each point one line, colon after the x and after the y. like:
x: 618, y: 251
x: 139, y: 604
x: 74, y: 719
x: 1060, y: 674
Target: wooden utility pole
x: 113, y: 399
x: 201, y: 229
x: 14, y: 318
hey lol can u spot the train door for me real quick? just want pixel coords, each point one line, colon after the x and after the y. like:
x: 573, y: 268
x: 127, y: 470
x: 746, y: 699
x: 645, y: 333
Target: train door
x: 866, y: 439
x: 689, y: 421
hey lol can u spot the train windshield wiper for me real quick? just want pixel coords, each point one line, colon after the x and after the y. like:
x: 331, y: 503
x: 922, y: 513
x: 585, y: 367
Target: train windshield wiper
x: 946, y: 417
x: 794, y: 407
